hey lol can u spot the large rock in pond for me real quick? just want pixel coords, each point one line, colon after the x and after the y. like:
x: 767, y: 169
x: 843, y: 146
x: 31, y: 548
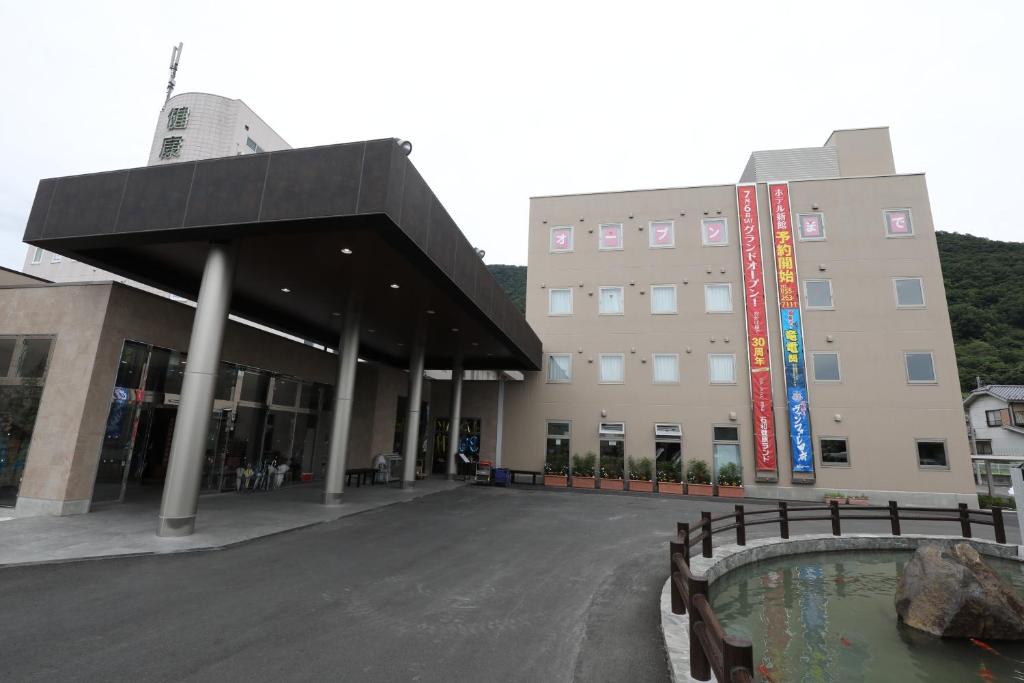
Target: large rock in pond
x: 949, y: 591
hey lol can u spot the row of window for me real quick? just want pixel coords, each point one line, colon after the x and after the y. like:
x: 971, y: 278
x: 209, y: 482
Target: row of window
x: 834, y: 450
x: 920, y: 367
x: 818, y: 294
x: 997, y: 418
x: 714, y: 232
x: 37, y: 256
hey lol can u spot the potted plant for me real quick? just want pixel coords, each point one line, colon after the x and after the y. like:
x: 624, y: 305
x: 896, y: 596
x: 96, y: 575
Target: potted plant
x: 730, y: 483
x: 556, y: 474
x: 835, y: 496
x: 611, y: 475
x: 641, y: 472
x: 583, y: 470
x: 858, y: 500
x: 670, y: 480
x: 698, y: 479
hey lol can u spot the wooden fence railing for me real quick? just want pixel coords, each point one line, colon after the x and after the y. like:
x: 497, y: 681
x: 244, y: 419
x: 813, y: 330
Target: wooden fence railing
x: 730, y: 658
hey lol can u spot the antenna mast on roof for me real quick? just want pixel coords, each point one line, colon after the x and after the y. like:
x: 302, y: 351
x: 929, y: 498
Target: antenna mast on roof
x: 175, y: 57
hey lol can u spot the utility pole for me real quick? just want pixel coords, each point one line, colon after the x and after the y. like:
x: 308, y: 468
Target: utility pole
x: 175, y: 57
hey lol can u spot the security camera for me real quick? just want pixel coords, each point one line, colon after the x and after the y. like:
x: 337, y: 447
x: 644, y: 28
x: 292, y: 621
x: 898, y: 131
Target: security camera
x: 405, y: 145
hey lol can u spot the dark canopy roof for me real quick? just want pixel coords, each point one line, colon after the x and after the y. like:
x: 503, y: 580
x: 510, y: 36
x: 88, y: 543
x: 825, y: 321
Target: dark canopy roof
x: 291, y: 213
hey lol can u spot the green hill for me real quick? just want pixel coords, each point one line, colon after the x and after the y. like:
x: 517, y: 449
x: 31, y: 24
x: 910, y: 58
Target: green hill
x: 985, y: 290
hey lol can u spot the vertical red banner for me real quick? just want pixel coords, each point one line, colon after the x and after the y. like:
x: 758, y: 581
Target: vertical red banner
x: 756, y: 314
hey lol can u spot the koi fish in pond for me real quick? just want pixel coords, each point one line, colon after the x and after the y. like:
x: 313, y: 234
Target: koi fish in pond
x: 845, y: 642
x: 765, y: 673
x: 984, y: 646
x: 985, y: 674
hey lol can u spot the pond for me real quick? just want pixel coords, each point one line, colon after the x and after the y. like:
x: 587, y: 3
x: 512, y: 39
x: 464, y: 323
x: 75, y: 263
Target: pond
x: 831, y: 617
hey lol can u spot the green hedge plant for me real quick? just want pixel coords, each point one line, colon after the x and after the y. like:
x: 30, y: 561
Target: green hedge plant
x: 697, y: 472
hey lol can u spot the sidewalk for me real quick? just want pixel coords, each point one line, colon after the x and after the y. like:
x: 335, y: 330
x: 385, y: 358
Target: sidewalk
x: 223, y: 520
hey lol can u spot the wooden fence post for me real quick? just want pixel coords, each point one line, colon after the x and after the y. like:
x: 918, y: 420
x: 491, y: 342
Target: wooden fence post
x: 997, y: 524
x: 737, y: 654
x: 783, y: 519
x: 705, y: 522
x: 965, y: 521
x: 678, y: 604
x: 683, y: 529
x: 894, y: 517
x: 741, y: 530
x: 700, y: 666
x: 834, y: 513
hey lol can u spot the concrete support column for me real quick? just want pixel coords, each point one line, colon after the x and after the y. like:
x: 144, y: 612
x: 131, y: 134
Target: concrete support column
x: 455, y: 413
x: 411, y: 447
x: 344, y: 394
x: 501, y: 419
x: 188, y: 444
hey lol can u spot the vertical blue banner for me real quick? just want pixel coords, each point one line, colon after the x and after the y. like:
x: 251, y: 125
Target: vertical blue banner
x: 796, y: 390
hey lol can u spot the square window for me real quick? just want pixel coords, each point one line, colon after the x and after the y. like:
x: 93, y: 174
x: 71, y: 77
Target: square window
x: 726, y: 434
x: 170, y: 148
x: 834, y: 451
x: 666, y: 368
x: 662, y: 234
x: 561, y: 239
x: 7, y: 345
x: 559, y: 302
x: 559, y: 428
x: 714, y: 232
x: 898, y: 223
x: 909, y: 292
x: 722, y: 368
x: 609, y: 236
x: 35, y: 356
x: 37, y: 255
x: 251, y: 144
x: 177, y: 118
x: 826, y: 367
x: 920, y: 367
x: 610, y: 301
x: 718, y: 297
x: 663, y: 299
x: 56, y: 258
x: 612, y: 368
x: 932, y: 453
x: 818, y: 293
x: 811, y: 226
x: 994, y: 418
x: 559, y: 368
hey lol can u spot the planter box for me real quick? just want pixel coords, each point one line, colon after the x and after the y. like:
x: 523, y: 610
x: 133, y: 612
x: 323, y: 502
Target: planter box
x: 700, y: 489
x: 829, y: 499
x: 730, y: 491
x: 582, y: 482
x: 555, y: 480
x: 611, y: 484
x: 641, y: 486
x: 670, y: 488
x: 858, y: 501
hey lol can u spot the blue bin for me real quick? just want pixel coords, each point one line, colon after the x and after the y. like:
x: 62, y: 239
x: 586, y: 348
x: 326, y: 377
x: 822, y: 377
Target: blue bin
x: 502, y: 477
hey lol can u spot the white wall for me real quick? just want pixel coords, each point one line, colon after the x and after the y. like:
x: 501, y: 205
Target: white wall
x: 1004, y: 441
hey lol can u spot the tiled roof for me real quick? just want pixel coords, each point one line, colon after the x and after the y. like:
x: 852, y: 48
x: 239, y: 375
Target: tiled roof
x: 1007, y: 392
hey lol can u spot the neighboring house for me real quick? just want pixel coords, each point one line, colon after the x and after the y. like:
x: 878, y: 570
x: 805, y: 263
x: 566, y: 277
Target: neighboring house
x: 996, y: 414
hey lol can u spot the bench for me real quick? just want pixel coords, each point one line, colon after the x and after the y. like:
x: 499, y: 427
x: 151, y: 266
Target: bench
x: 361, y: 474
x: 531, y: 473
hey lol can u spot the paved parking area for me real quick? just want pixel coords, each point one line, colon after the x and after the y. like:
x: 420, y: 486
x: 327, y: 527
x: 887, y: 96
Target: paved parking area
x: 472, y: 584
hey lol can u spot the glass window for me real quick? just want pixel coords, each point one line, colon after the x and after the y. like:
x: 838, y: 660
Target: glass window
x: 718, y: 298
x: 156, y: 373
x: 611, y: 301
x: 612, y: 451
x: 227, y: 376
x: 175, y: 372
x: 714, y: 232
x: 559, y: 367
x: 826, y: 367
x: 612, y: 368
x: 18, y: 407
x: 177, y: 118
x: 666, y: 368
x: 818, y: 293
x: 286, y: 391
x: 6, y: 354
x: 663, y: 299
x: 559, y: 302
x: 920, y: 367
x: 994, y: 418
x: 56, y: 258
x: 726, y: 449
x: 310, y: 396
x: 561, y: 238
x: 37, y: 255
x: 811, y: 226
x: 984, y: 446
x: 35, y: 353
x: 170, y: 148
x: 932, y: 453
x: 909, y: 292
x: 661, y: 234
x: 254, y: 386
x: 251, y: 144
x: 609, y: 236
x: 834, y: 451
x: 898, y: 223
x: 722, y: 368
x: 556, y: 457
x: 132, y: 365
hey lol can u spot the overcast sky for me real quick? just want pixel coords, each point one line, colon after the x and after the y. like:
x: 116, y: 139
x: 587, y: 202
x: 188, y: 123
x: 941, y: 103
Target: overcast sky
x: 508, y: 100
